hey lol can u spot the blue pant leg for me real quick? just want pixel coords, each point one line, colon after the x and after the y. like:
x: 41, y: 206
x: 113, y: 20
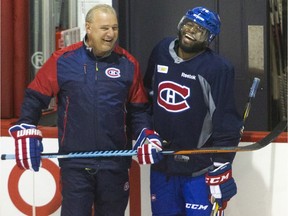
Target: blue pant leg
x: 107, y: 190
x: 166, y: 195
x: 196, y: 194
x: 77, y: 192
x: 112, y: 193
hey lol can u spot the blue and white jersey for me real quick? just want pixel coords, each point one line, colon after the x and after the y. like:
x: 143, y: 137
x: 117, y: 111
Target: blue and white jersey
x: 193, y: 105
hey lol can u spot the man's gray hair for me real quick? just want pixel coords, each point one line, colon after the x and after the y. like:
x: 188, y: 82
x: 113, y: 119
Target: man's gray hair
x: 100, y: 7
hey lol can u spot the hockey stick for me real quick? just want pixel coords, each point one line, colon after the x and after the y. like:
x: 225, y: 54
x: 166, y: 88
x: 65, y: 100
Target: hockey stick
x: 116, y: 153
x: 215, y: 209
x: 252, y: 95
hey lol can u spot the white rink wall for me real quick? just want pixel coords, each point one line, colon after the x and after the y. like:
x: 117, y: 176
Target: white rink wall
x: 262, y: 182
x: 260, y: 176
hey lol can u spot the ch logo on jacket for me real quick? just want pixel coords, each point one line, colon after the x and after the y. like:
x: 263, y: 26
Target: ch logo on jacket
x: 172, y: 96
x: 112, y: 72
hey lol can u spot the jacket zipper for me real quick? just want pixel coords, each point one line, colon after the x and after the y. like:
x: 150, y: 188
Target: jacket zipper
x: 65, y: 119
x: 85, y: 73
x: 96, y: 110
x: 96, y: 69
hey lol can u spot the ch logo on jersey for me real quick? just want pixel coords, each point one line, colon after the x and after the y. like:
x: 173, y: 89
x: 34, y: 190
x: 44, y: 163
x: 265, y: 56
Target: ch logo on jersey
x: 172, y: 96
x: 112, y: 72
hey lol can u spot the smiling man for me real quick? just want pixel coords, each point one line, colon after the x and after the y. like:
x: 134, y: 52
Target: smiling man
x: 193, y: 107
x: 101, y: 104
x: 102, y: 30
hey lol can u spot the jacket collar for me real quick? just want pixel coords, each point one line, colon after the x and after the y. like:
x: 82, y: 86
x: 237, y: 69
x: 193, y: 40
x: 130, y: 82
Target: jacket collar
x: 90, y: 50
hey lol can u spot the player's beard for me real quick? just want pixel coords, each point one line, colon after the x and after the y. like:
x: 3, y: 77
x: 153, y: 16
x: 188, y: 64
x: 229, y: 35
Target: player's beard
x: 196, y: 47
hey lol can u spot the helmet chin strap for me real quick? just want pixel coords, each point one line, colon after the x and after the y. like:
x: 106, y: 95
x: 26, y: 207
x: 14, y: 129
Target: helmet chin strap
x: 211, y: 38
x: 195, y: 49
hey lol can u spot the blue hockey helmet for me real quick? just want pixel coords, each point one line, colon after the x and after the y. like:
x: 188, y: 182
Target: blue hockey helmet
x: 205, y: 18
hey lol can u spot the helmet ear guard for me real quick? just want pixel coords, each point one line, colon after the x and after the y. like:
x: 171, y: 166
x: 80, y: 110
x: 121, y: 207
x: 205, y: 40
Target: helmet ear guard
x: 205, y: 18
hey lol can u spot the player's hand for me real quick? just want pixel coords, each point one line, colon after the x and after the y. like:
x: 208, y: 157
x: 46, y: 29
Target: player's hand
x: 28, y: 146
x: 148, y: 152
x: 222, y: 185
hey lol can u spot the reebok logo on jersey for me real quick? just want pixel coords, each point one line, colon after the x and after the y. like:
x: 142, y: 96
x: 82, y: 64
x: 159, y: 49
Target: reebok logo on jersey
x: 172, y: 96
x: 112, y: 72
x: 189, y: 76
x: 162, y: 69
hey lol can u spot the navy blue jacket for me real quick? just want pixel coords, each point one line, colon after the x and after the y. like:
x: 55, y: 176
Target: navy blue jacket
x: 102, y: 103
x: 193, y: 105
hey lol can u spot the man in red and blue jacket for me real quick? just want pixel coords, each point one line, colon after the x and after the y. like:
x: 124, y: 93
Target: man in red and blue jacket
x: 101, y: 105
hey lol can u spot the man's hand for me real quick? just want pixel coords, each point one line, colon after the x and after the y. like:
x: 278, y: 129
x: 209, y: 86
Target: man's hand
x: 28, y: 146
x: 149, y: 152
x: 222, y: 184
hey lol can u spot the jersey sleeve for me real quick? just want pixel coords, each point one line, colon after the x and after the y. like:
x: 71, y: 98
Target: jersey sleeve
x: 149, y: 76
x: 39, y: 92
x: 227, y: 122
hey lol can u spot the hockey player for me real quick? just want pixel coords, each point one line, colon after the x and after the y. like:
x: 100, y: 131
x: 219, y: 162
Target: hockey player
x: 193, y: 107
x: 100, y: 98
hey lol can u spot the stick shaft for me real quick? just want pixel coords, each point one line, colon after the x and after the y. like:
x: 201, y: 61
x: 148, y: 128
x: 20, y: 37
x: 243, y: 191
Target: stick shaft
x: 254, y: 87
x: 81, y: 154
x: 251, y: 147
x: 252, y: 94
x: 214, y: 209
x: 129, y: 153
x: 121, y: 153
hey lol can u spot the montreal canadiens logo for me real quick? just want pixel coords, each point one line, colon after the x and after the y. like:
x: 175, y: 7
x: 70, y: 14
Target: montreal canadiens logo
x: 172, y: 96
x: 112, y: 72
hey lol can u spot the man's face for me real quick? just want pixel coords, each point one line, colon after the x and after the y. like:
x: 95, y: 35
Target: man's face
x: 192, y: 37
x: 102, y: 32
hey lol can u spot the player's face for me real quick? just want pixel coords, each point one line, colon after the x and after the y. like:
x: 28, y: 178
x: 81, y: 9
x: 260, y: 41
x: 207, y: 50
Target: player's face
x: 102, y: 32
x: 192, y: 37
